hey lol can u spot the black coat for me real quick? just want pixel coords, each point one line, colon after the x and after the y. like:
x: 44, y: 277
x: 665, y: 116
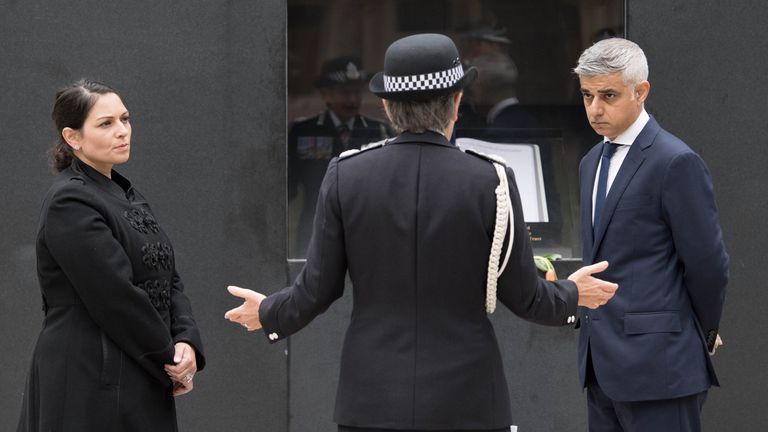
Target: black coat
x: 413, y: 221
x: 114, y: 308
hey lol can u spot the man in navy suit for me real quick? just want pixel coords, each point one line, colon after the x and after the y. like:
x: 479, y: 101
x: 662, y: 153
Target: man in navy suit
x: 647, y: 207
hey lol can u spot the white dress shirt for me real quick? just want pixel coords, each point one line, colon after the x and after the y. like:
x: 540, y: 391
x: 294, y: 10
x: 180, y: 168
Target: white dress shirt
x: 625, y: 139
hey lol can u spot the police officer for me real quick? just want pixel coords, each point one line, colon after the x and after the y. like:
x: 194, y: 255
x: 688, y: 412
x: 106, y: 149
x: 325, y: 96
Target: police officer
x: 312, y: 142
x: 424, y: 230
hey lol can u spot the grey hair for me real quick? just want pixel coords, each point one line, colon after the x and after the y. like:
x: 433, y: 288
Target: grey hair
x: 420, y: 116
x: 614, y: 55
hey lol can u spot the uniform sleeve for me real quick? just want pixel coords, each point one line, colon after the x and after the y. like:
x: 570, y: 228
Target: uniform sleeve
x: 689, y: 205
x: 78, y: 238
x: 321, y: 281
x: 522, y: 290
x: 183, y: 325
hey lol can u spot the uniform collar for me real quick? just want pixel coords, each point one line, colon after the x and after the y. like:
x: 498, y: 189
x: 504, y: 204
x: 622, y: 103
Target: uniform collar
x: 119, y: 186
x: 337, y: 121
x: 427, y: 137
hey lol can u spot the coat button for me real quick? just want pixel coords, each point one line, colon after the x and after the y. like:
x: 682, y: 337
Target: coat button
x: 273, y: 336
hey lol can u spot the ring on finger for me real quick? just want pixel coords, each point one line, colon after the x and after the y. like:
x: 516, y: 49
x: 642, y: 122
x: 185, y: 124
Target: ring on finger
x: 188, y: 378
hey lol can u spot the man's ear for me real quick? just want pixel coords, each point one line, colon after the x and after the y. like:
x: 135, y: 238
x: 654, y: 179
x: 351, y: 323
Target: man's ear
x: 642, y: 90
x: 72, y: 137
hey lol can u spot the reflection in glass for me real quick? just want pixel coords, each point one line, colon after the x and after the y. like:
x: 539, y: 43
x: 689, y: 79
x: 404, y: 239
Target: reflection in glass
x: 313, y: 141
x: 525, y: 93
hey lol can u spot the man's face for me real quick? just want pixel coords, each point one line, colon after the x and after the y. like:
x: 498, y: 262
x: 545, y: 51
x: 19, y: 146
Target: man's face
x: 343, y: 100
x: 611, y: 105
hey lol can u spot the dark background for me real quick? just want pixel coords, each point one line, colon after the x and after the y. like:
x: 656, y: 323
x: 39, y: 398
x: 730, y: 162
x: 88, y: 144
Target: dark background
x: 205, y: 83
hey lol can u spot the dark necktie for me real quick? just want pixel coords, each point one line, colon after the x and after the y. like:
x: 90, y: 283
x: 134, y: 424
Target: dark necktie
x: 609, y: 149
x: 343, y: 132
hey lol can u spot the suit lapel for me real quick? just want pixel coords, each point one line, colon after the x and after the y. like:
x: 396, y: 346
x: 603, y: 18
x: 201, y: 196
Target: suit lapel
x: 629, y: 167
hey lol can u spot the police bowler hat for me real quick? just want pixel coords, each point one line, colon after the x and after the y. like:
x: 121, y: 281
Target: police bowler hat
x: 421, y: 67
x: 340, y: 71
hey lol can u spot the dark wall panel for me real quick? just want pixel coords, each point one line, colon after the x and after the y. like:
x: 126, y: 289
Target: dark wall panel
x: 708, y: 71
x: 205, y: 83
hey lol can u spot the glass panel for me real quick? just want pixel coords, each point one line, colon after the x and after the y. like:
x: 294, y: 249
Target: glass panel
x: 525, y: 96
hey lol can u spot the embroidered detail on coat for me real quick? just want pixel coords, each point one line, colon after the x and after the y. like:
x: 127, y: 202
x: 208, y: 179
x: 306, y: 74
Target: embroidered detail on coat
x: 157, y: 255
x: 141, y: 220
x: 159, y: 292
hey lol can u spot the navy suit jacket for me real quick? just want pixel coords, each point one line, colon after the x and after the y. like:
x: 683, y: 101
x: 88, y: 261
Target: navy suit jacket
x: 659, y: 231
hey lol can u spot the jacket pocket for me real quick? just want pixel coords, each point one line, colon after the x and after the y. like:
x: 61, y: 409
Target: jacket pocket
x: 652, y: 322
x: 112, y: 361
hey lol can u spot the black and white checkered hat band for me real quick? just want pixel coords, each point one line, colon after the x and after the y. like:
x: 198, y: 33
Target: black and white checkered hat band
x: 430, y: 81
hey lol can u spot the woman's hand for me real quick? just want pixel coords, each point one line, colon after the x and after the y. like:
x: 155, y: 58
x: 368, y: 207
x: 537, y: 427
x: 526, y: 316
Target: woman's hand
x: 183, y: 371
x: 247, y: 314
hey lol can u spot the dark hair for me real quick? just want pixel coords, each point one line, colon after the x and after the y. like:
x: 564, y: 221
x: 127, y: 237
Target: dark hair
x: 73, y: 103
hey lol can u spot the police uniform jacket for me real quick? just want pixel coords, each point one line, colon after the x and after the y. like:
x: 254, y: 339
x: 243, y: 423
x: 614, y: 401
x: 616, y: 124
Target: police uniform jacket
x: 114, y: 308
x: 412, y: 221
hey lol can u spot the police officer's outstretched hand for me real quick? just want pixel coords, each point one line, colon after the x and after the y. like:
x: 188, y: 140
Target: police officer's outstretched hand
x: 247, y: 314
x: 593, y: 292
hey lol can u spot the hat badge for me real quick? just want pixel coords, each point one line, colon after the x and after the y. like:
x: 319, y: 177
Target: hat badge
x: 352, y: 72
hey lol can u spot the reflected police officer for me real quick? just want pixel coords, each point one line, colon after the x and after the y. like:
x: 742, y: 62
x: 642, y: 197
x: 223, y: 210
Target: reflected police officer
x: 313, y: 141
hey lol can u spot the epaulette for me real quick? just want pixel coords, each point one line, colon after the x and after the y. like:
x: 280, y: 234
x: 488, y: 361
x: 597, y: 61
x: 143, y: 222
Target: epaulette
x: 300, y: 121
x: 352, y: 152
x: 489, y: 157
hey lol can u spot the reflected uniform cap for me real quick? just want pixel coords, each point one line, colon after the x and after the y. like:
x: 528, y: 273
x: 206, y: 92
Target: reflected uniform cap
x: 340, y: 71
x: 421, y: 67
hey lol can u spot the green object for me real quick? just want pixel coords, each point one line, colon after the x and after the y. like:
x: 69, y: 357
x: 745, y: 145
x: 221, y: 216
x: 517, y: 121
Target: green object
x: 544, y: 262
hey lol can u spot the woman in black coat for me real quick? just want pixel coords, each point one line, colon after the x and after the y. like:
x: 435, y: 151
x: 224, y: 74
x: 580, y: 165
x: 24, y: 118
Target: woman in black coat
x: 119, y: 340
